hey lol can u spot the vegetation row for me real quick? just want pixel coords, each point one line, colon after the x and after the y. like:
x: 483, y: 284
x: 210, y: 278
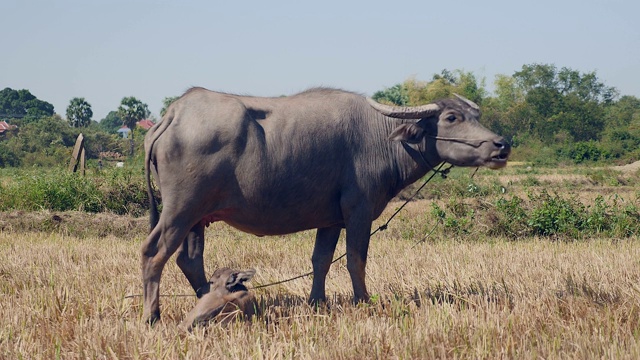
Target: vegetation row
x: 460, y: 206
x: 550, y: 115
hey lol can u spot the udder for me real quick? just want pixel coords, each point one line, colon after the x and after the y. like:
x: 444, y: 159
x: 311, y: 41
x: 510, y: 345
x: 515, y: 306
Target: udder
x: 220, y: 215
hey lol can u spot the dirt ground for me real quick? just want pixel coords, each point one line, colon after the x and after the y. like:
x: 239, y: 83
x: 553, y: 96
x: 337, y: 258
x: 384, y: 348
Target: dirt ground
x: 633, y: 167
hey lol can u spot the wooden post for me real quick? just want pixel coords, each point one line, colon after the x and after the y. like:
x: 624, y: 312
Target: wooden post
x: 82, y: 160
x: 78, y: 151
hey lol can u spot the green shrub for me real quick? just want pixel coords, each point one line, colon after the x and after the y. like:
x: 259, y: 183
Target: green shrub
x: 511, y: 218
x: 458, y: 223
x: 585, y: 151
x: 123, y: 193
x: 57, y: 190
x: 119, y: 191
x: 542, y: 214
x: 555, y: 215
x: 605, y: 176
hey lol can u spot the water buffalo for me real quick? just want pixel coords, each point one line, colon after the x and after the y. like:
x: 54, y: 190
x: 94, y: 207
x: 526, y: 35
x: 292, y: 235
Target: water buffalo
x: 228, y: 298
x: 323, y: 159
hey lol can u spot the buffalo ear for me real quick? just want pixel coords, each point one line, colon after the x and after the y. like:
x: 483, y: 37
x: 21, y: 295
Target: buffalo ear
x: 238, y: 277
x: 409, y: 133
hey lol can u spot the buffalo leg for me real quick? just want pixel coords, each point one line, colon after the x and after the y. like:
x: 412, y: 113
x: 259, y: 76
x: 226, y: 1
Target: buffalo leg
x: 190, y: 260
x: 325, y: 246
x: 358, y: 233
x: 155, y: 251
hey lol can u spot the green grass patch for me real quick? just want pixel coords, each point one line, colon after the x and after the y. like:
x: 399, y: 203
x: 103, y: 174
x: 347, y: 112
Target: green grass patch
x: 120, y: 191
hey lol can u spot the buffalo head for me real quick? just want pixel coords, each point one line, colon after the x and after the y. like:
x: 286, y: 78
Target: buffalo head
x: 448, y: 130
x: 228, y: 299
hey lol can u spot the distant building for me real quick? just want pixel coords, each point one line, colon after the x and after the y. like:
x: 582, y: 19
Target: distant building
x: 145, y: 124
x: 124, y: 130
x: 4, y: 127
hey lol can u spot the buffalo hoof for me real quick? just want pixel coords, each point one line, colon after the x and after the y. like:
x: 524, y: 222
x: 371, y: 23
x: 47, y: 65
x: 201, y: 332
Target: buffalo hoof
x: 153, y: 318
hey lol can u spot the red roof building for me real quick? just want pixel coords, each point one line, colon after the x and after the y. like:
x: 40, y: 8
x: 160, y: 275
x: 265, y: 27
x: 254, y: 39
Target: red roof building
x: 4, y: 126
x: 145, y: 124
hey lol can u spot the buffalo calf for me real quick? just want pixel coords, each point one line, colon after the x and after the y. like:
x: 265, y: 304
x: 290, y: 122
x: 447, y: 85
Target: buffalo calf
x: 227, y: 299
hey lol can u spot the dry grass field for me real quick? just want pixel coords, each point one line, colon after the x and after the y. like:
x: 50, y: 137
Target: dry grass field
x: 64, y: 295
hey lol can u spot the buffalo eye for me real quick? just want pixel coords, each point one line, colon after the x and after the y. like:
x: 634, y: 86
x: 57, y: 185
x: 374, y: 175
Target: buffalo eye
x: 451, y: 118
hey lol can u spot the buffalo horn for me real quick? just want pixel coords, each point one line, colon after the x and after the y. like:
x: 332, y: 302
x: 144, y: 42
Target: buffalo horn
x: 405, y: 112
x: 469, y: 102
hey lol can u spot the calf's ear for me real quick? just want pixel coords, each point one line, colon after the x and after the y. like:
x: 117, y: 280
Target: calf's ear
x: 238, y: 277
x: 409, y: 133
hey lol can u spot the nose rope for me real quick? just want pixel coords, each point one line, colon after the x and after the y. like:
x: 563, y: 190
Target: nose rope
x: 471, y: 142
x: 476, y: 143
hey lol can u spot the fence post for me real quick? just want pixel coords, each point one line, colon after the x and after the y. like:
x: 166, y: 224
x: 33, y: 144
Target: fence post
x: 78, y: 155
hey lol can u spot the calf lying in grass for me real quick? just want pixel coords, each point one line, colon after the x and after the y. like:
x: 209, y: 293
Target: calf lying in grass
x: 227, y: 299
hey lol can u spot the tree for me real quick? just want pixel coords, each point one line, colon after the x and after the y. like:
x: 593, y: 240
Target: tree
x: 622, y: 112
x: 132, y: 110
x: 8, y: 156
x: 111, y: 123
x: 507, y: 92
x: 545, y: 110
x: 99, y: 141
x: 21, y: 104
x: 622, y: 128
x: 468, y: 86
x: 44, y: 142
x: 166, y: 102
x: 564, y: 101
x: 395, y: 95
x: 48, y: 142
x: 443, y: 85
x: 79, y: 112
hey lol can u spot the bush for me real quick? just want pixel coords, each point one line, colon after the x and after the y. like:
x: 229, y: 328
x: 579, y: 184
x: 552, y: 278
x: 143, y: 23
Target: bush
x: 542, y: 214
x: 555, y: 215
x: 585, y: 151
x: 124, y: 193
x: 511, y: 218
x: 114, y: 190
x: 59, y: 191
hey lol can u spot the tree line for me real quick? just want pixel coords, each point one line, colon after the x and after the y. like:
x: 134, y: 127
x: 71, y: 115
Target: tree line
x: 548, y: 114
x: 22, y: 107
x: 44, y: 138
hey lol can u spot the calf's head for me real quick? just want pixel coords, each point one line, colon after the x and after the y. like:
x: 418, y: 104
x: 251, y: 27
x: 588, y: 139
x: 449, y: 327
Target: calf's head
x: 228, y: 299
x: 449, y: 130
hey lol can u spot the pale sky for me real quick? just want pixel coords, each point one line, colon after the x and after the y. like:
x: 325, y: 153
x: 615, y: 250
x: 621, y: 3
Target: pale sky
x: 106, y: 50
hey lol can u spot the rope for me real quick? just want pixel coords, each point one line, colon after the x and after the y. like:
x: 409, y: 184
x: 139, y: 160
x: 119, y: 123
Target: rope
x: 161, y: 295
x: 444, y: 173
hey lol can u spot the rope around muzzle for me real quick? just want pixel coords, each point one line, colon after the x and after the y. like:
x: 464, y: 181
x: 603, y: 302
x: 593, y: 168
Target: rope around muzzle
x: 476, y: 143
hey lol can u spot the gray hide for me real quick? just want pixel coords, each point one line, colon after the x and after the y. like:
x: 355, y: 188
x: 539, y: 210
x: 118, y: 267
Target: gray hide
x: 323, y: 159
